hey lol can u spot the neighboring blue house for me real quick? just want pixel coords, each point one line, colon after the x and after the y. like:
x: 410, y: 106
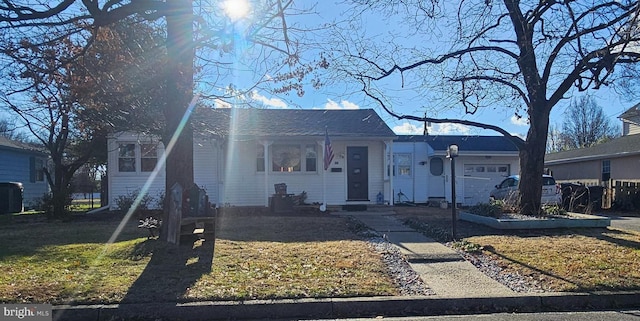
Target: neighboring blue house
x: 23, y: 163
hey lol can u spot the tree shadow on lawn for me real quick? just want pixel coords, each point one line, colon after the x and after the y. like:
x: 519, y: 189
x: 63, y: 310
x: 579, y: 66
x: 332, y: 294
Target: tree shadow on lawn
x: 172, y: 270
x: 283, y: 227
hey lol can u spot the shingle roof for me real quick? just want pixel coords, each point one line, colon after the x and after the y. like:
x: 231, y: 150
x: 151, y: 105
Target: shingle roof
x: 631, y: 112
x: 465, y: 143
x: 621, y: 146
x: 291, y: 122
x: 6, y: 143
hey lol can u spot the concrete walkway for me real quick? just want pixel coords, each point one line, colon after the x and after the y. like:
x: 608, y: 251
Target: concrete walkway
x: 441, y: 268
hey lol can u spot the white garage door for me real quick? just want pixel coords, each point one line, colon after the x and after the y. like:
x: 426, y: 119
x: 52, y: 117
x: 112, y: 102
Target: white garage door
x: 480, y: 179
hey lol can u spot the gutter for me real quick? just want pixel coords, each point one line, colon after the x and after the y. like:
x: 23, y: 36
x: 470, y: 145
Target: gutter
x: 589, y: 157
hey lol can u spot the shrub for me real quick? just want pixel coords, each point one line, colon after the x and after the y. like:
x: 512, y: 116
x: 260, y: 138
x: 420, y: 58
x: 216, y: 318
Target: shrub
x: 553, y: 210
x: 493, y: 209
x: 125, y: 202
x: 466, y: 246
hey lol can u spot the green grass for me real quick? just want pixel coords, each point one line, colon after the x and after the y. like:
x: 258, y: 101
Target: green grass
x: 255, y: 258
x: 83, y: 205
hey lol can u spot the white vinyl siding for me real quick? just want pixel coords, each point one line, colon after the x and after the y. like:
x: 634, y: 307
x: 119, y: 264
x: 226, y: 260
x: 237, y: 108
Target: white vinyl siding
x: 245, y: 186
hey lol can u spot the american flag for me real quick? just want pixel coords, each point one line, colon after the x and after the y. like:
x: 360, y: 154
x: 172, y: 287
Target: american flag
x: 328, y: 151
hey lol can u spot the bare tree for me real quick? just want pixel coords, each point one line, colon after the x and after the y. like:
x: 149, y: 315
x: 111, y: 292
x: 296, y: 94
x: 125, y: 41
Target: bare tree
x: 586, y: 124
x: 190, y: 26
x: 9, y: 129
x: 556, y: 142
x: 484, y: 53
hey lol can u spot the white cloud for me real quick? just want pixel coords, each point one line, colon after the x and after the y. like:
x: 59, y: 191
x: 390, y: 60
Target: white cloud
x: 270, y: 102
x: 219, y: 103
x: 449, y: 129
x: 344, y: 104
x: 521, y: 135
x: 520, y: 121
x: 407, y: 128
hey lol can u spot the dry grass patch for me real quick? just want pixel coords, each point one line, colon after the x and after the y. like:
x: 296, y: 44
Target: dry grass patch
x: 259, y: 257
x: 585, y: 260
x: 555, y: 260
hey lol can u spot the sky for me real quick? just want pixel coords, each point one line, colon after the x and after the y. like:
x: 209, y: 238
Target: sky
x: 326, y: 98
x: 337, y: 98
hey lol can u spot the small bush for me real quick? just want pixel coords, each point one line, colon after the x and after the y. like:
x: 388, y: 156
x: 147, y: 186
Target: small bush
x: 493, y: 209
x: 125, y: 202
x: 553, y: 210
x: 466, y: 246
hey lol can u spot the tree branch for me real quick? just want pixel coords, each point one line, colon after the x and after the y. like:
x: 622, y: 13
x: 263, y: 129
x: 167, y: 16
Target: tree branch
x: 518, y: 142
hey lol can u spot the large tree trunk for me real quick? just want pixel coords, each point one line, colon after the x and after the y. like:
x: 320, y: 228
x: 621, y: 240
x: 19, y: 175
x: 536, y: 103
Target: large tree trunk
x: 179, y: 91
x: 532, y: 161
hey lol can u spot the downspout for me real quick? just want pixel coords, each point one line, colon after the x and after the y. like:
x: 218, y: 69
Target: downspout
x: 413, y: 173
x: 388, y: 173
x: 265, y: 145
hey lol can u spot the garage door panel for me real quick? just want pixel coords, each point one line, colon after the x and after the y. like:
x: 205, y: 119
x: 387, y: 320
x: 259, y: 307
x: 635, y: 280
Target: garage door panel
x: 480, y: 179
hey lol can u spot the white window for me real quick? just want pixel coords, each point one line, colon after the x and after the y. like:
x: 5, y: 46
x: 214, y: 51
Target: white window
x: 402, y: 164
x: 127, y: 157
x: 135, y: 157
x: 311, y: 158
x: 149, y: 157
x: 292, y: 158
x: 259, y: 158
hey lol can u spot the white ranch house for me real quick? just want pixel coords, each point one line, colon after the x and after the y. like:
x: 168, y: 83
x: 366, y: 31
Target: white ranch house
x: 240, y: 154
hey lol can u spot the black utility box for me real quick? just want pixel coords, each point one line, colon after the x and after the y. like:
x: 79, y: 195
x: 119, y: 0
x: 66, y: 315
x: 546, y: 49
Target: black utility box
x: 11, y: 197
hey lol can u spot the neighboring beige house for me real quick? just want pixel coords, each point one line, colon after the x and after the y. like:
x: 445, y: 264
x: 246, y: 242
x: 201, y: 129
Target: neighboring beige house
x: 618, y: 159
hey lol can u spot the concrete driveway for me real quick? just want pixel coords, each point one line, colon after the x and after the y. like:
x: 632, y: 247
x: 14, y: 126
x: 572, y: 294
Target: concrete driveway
x: 626, y: 222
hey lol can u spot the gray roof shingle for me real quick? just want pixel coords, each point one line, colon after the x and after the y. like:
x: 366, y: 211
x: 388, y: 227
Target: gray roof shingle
x: 465, y: 143
x: 630, y: 113
x: 6, y: 143
x: 291, y: 122
x: 621, y: 146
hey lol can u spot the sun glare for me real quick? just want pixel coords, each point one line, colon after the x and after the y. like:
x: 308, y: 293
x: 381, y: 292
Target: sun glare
x: 236, y: 9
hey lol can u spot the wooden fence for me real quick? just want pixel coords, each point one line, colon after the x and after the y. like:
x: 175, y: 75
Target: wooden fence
x: 621, y: 195
x: 625, y: 195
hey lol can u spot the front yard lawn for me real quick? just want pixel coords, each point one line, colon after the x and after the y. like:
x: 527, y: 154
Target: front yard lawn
x: 260, y: 257
x: 570, y: 260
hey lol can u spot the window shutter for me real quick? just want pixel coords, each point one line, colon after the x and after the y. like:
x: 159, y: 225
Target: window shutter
x: 32, y: 169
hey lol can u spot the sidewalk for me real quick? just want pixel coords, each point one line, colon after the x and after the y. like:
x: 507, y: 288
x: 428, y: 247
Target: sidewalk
x: 459, y: 289
x: 441, y: 268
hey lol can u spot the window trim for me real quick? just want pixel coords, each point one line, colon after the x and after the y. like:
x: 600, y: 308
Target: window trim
x: 606, y: 175
x: 397, y: 167
x: 137, y: 156
x: 302, y: 166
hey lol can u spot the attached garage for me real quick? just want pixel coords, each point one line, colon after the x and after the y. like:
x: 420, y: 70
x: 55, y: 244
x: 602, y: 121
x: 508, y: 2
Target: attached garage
x: 482, y: 162
x: 480, y: 179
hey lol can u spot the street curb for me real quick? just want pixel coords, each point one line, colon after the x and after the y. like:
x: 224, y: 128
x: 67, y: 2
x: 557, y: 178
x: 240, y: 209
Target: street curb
x: 347, y: 307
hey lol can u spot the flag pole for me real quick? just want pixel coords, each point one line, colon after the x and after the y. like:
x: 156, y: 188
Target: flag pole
x: 323, y: 207
x: 327, y: 157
